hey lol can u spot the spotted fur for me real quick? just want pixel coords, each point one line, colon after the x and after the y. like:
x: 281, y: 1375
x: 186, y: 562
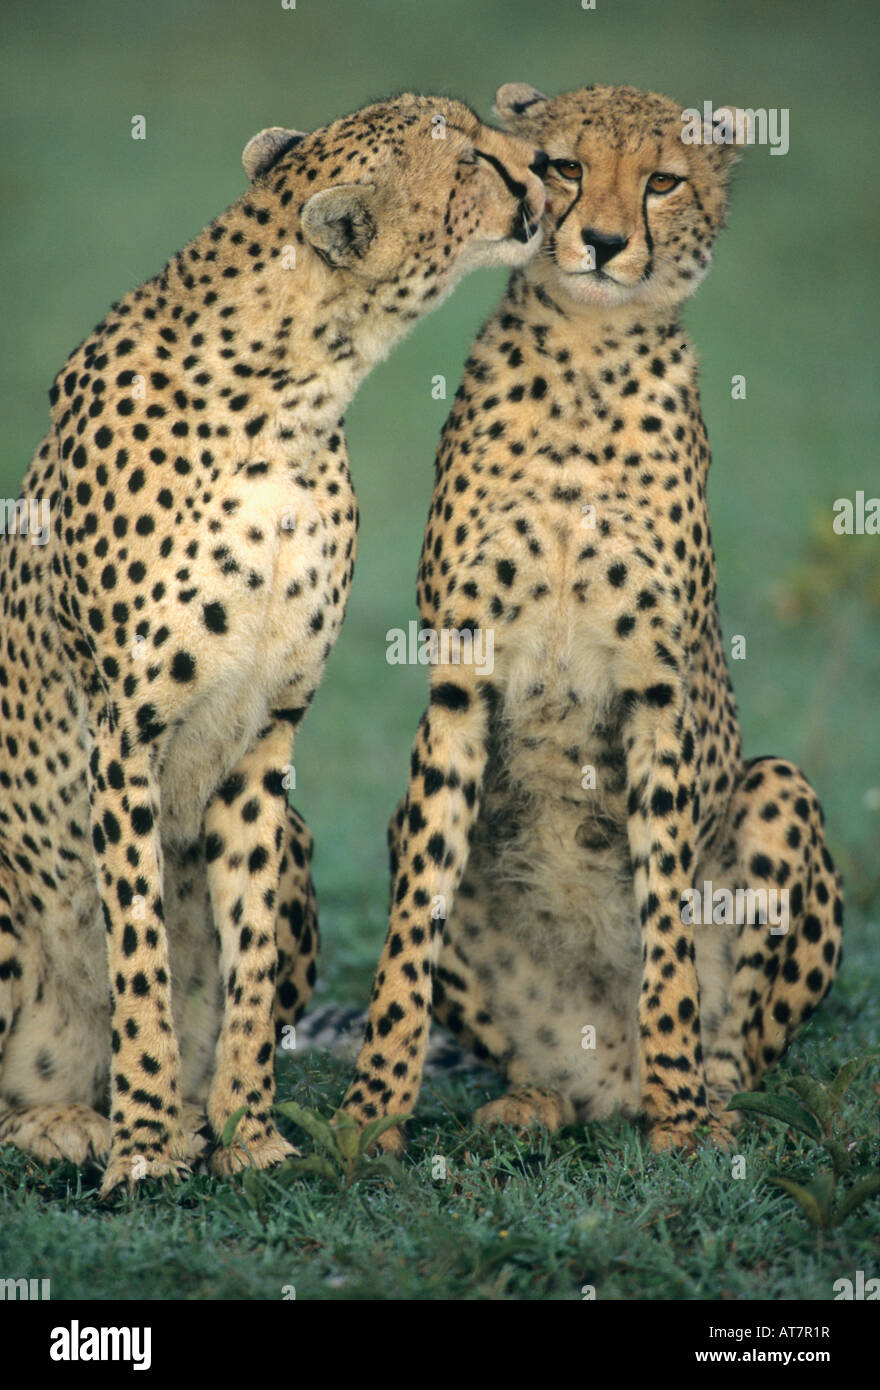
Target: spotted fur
x: 559, y: 808
x: 159, y: 653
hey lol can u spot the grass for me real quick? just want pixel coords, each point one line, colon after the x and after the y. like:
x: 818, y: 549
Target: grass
x: 87, y: 212
x: 512, y: 1219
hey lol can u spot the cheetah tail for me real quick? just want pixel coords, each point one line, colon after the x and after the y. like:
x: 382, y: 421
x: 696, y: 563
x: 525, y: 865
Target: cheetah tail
x: 339, y: 1030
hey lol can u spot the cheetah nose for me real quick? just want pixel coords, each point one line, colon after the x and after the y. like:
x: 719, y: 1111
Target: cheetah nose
x: 528, y: 214
x: 604, y: 246
x: 540, y: 163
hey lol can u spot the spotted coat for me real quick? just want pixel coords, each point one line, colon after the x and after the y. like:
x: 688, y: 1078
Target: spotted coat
x: 159, y: 653
x: 562, y: 806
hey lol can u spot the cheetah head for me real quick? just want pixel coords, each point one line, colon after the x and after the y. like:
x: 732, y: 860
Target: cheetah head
x: 632, y: 209
x: 407, y: 194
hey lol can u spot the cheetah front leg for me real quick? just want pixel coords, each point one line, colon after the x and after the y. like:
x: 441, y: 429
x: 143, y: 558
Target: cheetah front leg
x: 663, y: 813
x: 245, y: 829
x: 446, y: 774
x: 146, y: 1132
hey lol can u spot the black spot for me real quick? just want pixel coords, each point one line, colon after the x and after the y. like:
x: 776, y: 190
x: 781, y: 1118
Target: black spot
x: 183, y: 667
x: 659, y: 695
x: 213, y: 848
x: 437, y: 848
x: 215, y: 617
x: 450, y: 696
x: 141, y: 820
x: 257, y: 860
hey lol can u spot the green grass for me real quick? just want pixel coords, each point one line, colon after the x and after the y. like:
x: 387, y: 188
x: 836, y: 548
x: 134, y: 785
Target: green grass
x: 512, y: 1220
x: 86, y: 213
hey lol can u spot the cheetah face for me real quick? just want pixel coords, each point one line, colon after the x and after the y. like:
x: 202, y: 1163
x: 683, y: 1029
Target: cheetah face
x: 412, y: 192
x: 632, y: 210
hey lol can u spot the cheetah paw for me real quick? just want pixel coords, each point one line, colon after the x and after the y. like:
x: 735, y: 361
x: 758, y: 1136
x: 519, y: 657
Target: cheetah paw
x: 671, y: 1136
x: 74, y: 1133
x: 720, y: 1133
x: 265, y: 1152
x: 130, y: 1169
x: 522, y: 1110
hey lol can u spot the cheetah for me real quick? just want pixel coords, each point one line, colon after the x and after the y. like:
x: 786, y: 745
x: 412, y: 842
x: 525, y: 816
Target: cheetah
x: 159, y: 653
x: 563, y: 809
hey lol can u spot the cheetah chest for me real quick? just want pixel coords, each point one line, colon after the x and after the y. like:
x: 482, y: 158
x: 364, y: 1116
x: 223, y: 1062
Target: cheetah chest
x: 274, y: 583
x: 556, y: 946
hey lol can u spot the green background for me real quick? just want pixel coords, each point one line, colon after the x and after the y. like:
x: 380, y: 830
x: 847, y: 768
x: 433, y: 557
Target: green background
x: 86, y: 213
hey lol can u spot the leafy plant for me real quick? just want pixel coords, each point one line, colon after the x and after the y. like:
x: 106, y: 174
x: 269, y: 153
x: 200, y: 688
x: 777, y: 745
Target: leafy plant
x: 814, y: 1111
x: 341, y: 1146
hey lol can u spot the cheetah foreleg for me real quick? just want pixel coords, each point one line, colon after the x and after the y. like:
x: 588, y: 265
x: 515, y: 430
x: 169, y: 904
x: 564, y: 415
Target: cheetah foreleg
x: 662, y: 757
x: 146, y: 1134
x: 446, y: 773
x: 245, y: 829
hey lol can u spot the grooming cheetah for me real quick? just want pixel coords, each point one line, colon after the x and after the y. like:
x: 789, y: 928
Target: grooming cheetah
x: 159, y: 653
x: 560, y: 808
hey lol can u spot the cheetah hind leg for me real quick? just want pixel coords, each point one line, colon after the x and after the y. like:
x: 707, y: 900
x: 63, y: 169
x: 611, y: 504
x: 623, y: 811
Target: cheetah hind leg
x: 55, y: 1132
x: 297, y: 927
x: 774, y: 839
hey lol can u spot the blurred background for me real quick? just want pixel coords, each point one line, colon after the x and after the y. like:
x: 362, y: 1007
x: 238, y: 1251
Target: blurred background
x: 86, y: 213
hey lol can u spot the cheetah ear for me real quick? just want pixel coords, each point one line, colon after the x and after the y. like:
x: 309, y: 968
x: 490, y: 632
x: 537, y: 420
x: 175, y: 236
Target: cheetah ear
x: 517, y: 101
x: 267, y: 147
x: 731, y: 129
x: 339, y: 222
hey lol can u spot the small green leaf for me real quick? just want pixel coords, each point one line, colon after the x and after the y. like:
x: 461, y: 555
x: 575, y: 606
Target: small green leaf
x: 347, y: 1134
x: 231, y: 1126
x: 839, y: 1155
x: 313, y: 1165
x: 385, y: 1166
x: 314, y: 1124
x: 814, y: 1095
x: 777, y: 1108
x: 822, y: 1188
x: 816, y: 1214
x: 371, y: 1132
x: 846, y: 1076
x: 858, y: 1193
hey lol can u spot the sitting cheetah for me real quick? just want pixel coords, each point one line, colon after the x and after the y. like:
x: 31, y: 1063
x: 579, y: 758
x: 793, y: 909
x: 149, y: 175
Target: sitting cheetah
x: 158, y: 655
x: 561, y: 809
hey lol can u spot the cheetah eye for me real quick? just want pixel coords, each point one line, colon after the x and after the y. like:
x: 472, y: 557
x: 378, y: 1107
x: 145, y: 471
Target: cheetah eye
x: 568, y: 168
x: 663, y: 183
